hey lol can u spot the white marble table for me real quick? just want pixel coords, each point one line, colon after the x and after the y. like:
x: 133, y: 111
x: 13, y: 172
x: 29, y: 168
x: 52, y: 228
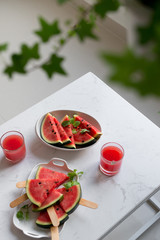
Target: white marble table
x: 116, y: 196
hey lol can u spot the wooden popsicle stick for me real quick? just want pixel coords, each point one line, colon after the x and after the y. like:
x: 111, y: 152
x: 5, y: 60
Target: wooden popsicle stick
x: 19, y: 200
x: 54, y: 233
x: 53, y: 216
x: 21, y: 184
x: 88, y: 203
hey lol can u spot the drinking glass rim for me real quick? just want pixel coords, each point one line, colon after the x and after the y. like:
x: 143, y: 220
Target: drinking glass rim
x: 113, y: 161
x: 14, y: 131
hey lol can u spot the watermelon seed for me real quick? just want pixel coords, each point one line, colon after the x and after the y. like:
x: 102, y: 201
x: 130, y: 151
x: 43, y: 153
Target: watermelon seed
x: 67, y: 190
x: 39, y: 182
x: 57, y: 208
x: 70, y: 136
x: 54, y: 132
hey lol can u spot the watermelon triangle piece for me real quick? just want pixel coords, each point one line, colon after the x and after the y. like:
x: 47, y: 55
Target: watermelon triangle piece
x: 43, y: 219
x: 38, y: 190
x: 83, y: 139
x: 46, y: 173
x: 93, y: 131
x: 49, y: 131
x: 63, y: 135
x: 53, y: 197
x: 68, y: 130
x: 71, y: 198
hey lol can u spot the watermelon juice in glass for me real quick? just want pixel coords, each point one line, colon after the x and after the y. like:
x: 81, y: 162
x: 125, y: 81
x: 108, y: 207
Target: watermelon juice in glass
x: 111, y: 158
x: 13, y: 146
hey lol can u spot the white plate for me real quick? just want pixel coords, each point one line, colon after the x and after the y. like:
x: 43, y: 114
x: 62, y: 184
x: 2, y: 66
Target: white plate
x: 29, y: 226
x: 59, y: 114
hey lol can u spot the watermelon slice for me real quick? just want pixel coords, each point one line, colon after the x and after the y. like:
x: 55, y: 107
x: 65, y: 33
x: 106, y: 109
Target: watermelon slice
x: 52, y: 198
x: 49, y: 131
x: 68, y: 130
x: 58, y: 177
x: 71, y: 198
x: 38, y: 190
x: 93, y: 131
x: 83, y: 139
x: 63, y: 135
x: 44, y: 220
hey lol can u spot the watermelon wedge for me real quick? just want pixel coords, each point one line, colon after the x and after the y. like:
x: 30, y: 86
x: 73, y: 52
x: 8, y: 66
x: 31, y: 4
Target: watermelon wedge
x: 68, y: 130
x: 46, y: 173
x: 53, y: 197
x: 44, y: 221
x: 93, y: 131
x: 82, y: 138
x: 49, y: 131
x: 63, y: 135
x: 38, y: 190
x: 71, y: 198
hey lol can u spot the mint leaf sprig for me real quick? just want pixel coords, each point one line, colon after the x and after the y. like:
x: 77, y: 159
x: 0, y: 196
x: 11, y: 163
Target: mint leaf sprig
x: 23, y: 211
x: 73, y: 176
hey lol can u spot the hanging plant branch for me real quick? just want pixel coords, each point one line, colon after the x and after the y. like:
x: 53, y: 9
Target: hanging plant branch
x: 83, y: 29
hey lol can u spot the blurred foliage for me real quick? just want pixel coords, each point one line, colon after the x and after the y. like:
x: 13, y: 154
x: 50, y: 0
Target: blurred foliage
x: 139, y: 71
x: 48, y: 32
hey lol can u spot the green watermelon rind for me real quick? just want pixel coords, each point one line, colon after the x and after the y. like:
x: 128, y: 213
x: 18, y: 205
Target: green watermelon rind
x: 76, y: 203
x: 55, y: 143
x: 86, y: 143
x: 43, y: 224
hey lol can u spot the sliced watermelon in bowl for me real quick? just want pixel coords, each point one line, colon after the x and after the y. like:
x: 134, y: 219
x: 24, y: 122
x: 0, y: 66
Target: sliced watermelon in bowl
x: 49, y: 131
x: 93, y: 131
x: 68, y: 130
x: 60, y: 115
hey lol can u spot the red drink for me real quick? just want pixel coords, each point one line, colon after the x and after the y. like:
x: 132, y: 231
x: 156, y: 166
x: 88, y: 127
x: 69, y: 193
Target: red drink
x: 13, y: 146
x: 111, y: 158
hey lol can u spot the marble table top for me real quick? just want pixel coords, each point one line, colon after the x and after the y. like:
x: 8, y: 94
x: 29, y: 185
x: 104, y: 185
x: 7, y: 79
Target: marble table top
x: 116, y: 196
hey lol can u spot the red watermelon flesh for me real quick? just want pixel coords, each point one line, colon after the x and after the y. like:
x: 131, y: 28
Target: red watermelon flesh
x: 71, y: 198
x: 44, y: 219
x: 49, y: 131
x: 58, y: 177
x: 93, y: 131
x: 38, y: 190
x: 68, y: 130
x: 63, y: 135
x: 52, y: 198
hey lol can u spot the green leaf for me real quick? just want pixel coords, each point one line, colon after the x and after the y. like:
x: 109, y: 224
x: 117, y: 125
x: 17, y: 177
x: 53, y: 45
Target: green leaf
x: 102, y: 7
x: 19, y: 215
x: 62, y: 1
x: 135, y: 71
x: 84, y: 130
x: 20, y: 60
x: 70, y: 184
x: 74, y: 131
x: 47, y: 30
x: 65, y: 123
x: 3, y: 47
x: 76, y: 123
x: 84, y: 30
x: 53, y: 66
